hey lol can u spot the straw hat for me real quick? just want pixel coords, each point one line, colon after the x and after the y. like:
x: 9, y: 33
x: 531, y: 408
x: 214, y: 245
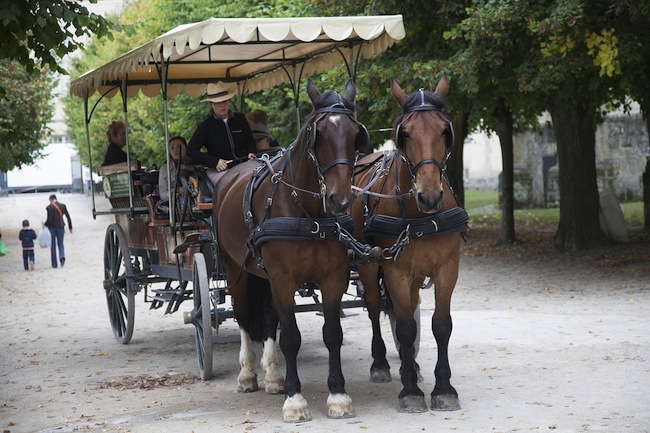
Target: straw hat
x: 260, y: 130
x: 218, y: 92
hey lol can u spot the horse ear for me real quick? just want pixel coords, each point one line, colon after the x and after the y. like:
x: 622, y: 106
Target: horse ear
x: 397, y: 91
x: 312, y: 91
x: 443, y: 86
x: 350, y: 91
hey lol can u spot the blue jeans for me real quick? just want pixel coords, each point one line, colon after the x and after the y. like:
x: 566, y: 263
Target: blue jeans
x: 28, y: 257
x: 57, y: 240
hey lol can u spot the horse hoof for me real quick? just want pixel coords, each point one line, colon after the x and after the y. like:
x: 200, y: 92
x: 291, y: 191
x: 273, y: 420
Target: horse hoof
x: 276, y: 387
x: 248, y: 385
x: 340, y: 406
x: 445, y: 402
x: 380, y: 376
x: 295, y: 409
x: 413, y: 404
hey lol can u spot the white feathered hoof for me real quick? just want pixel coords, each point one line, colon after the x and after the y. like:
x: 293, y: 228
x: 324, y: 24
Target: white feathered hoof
x: 445, y: 402
x: 274, y: 386
x: 295, y: 409
x: 340, y: 406
x: 246, y: 385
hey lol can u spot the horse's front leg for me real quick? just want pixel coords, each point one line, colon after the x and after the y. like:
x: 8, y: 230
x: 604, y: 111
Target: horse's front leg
x: 339, y: 403
x: 295, y: 408
x: 380, y: 369
x: 443, y: 397
x: 411, y: 397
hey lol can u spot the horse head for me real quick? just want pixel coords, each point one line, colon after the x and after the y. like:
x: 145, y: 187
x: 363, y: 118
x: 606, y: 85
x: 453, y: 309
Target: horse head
x: 334, y: 136
x: 424, y: 138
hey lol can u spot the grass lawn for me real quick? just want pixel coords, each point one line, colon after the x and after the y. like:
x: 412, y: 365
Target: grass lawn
x: 482, y: 206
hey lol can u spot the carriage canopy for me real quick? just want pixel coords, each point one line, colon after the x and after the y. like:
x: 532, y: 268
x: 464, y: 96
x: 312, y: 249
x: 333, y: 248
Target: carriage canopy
x: 255, y: 53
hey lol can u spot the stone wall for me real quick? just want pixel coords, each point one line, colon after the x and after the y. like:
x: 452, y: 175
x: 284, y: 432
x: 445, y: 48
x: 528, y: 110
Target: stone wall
x: 621, y: 151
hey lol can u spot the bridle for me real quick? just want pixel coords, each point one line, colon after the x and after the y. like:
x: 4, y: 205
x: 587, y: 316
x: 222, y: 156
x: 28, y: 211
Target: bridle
x: 409, y: 112
x: 311, y: 134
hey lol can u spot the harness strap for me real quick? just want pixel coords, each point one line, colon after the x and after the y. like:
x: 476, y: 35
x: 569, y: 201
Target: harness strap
x: 454, y: 220
x: 294, y: 228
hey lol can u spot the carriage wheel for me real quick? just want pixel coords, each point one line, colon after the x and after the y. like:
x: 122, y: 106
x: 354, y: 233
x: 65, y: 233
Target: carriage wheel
x: 119, y: 286
x: 202, y: 316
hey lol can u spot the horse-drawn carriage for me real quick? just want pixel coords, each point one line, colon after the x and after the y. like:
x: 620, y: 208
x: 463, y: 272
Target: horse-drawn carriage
x: 282, y: 224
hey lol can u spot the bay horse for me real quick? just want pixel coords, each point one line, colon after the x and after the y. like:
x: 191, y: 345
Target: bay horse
x: 278, y: 224
x: 408, y: 209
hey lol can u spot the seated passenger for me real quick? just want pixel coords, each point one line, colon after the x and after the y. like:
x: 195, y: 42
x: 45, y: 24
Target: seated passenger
x: 263, y: 139
x: 116, y: 133
x: 258, y: 121
x: 224, y: 134
x: 177, y: 147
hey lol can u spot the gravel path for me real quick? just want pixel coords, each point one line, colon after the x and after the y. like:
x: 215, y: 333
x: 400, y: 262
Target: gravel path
x: 542, y: 342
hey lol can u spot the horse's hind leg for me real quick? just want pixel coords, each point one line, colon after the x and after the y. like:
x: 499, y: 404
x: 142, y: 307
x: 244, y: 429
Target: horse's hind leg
x: 247, y: 379
x: 380, y: 369
x: 443, y: 397
x: 273, y: 379
x: 266, y: 330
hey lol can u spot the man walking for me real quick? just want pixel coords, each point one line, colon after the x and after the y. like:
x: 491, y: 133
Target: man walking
x: 56, y: 225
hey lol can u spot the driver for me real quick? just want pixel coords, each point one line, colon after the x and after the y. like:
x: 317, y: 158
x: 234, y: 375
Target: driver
x: 225, y: 134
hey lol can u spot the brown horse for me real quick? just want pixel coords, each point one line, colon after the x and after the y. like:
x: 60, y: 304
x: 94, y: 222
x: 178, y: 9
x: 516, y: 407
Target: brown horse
x: 280, y: 220
x: 408, y: 209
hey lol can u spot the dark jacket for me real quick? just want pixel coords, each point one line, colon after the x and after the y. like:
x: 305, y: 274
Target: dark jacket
x: 27, y: 237
x: 114, y: 154
x: 222, y: 140
x: 55, y: 218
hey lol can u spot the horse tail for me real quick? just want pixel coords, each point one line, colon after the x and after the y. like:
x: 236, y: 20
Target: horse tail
x: 263, y: 318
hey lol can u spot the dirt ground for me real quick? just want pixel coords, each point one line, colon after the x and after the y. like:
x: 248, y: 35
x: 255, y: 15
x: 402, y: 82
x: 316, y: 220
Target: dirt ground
x: 542, y: 341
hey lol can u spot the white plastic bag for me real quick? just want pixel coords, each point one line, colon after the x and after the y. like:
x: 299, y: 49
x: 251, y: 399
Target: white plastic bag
x: 45, y: 238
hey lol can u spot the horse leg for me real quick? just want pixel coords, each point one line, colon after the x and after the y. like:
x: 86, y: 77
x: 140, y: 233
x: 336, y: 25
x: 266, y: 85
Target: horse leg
x: 264, y: 328
x: 247, y: 379
x: 411, y: 397
x: 339, y: 403
x: 273, y: 380
x: 443, y: 397
x: 295, y: 408
x: 380, y: 369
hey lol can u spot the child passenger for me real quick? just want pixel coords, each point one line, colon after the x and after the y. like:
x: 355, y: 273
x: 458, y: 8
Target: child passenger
x: 27, y: 237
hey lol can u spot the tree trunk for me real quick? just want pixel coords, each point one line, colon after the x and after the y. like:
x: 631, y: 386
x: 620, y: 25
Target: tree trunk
x: 646, y: 183
x: 455, y: 165
x: 574, y: 126
x: 503, y: 117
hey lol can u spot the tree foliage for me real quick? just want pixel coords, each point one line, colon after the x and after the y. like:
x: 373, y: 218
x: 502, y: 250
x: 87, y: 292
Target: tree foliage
x: 38, y: 33
x: 25, y: 110
x: 149, y: 19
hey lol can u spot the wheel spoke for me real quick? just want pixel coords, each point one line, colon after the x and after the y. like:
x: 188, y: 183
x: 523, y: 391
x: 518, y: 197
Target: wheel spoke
x: 119, y: 286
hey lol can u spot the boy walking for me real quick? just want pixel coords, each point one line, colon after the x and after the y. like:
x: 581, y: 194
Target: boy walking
x: 27, y: 237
